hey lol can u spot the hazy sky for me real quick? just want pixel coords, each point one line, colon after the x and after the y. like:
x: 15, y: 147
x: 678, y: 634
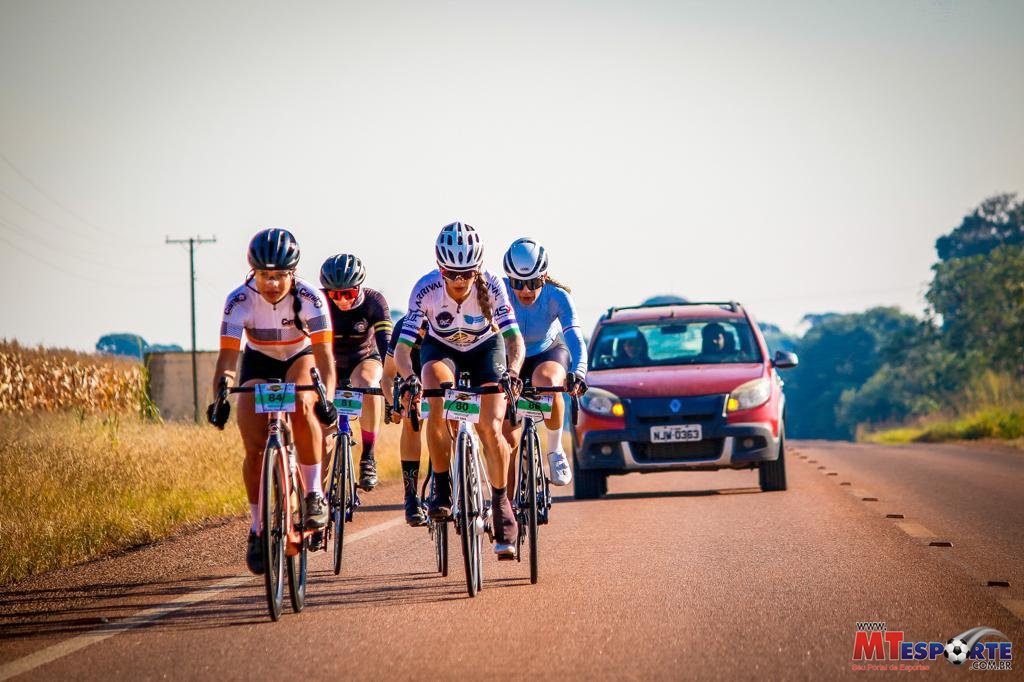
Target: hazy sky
x: 797, y: 157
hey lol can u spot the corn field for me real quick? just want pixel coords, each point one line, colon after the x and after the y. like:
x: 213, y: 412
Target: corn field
x: 49, y: 380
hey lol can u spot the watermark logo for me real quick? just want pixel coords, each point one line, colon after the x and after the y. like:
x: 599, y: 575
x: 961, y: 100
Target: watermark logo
x: 876, y: 647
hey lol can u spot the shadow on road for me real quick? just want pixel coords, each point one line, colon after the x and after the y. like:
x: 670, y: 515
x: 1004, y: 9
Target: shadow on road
x: 85, y: 608
x: 92, y: 607
x: 656, y: 494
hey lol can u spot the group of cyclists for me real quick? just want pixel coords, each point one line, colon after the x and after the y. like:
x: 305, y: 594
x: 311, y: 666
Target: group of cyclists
x: 461, y: 319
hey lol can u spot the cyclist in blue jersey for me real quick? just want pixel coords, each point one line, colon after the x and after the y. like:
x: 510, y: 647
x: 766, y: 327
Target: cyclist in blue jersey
x: 543, y: 308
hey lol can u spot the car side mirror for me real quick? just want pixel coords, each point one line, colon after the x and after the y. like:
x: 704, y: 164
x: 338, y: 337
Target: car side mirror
x: 785, y: 360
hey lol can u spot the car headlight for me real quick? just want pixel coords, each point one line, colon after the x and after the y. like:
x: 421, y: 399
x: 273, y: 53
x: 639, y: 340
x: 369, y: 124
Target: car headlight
x: 751, y: 394
x: 600, y: 401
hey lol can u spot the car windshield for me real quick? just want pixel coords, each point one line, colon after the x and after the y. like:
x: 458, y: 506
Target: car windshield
x: 674, y: 342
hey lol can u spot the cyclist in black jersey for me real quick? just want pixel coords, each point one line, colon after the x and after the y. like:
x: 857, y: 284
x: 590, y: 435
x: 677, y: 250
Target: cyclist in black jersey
x: 361, y: 321
x: 411, y: 442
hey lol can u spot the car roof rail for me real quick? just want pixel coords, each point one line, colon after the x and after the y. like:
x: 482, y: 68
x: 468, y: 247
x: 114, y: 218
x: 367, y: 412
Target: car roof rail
x: 734, y: 306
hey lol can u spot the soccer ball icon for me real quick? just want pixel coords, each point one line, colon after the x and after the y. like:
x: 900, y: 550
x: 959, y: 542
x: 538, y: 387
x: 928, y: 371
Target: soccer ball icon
x: 956, y: 651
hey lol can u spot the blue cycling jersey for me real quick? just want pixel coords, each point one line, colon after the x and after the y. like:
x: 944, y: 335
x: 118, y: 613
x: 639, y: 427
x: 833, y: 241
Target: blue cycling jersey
x: 539, y: 323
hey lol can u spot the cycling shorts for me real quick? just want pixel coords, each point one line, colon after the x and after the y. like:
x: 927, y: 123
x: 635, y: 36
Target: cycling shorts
x: 484, y: 362
x: 558, y: 352
x: 257, y: 365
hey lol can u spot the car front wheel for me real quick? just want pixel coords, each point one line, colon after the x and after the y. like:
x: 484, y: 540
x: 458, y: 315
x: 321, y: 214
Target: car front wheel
x: 772, y: 475
x: 587, y: 484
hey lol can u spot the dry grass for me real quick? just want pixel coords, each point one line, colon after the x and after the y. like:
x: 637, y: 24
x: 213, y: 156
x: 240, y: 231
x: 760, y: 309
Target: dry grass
x: 74, y: 486
x: 44, y: 379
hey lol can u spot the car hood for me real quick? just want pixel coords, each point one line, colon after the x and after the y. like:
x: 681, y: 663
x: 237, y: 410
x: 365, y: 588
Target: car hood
x: 677, y: 380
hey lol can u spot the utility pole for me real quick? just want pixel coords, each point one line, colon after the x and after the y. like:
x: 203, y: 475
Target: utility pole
x: 192, y: 242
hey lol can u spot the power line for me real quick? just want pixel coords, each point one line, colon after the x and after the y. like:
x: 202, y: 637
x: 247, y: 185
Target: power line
x: 192, y: 242
x: 24, y: 232
x: 59, y: 204
x: 63, y: 270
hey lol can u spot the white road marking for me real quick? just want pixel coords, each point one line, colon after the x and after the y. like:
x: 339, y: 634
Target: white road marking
x: 915, y: 530
x: 69, y: 646
x: 1014, y: 606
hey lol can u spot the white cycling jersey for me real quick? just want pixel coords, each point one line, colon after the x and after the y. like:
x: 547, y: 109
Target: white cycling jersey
x: 270, y: 327
x: 461, y: 326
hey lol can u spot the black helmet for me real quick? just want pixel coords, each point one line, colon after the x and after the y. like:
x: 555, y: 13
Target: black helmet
x: 273, y: 249
x: 343, y: 271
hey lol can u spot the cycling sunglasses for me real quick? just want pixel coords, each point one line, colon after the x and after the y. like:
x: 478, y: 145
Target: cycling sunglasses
x: 343, y: 294
x: 456, y: 275
x: 531, y: 284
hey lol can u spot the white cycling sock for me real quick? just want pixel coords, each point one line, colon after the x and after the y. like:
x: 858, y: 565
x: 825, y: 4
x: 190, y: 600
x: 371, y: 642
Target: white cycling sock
x: 554, y: 439
x: 254, y: 509
x: 311, y: 478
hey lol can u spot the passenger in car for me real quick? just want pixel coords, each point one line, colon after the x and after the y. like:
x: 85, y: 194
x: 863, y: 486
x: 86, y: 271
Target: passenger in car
x: 716, y: 341
x: 632, y: 350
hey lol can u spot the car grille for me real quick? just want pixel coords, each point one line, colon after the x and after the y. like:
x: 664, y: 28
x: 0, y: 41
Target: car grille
x: 675, y: 419
x: 709, y: 448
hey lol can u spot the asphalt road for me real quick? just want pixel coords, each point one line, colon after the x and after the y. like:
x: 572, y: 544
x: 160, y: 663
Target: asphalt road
x: 670, y: 576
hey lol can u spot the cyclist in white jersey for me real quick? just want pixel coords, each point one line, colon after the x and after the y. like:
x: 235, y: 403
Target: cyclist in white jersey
x: 555, y: 351
x: 470, y: 328
x: 288, y: 331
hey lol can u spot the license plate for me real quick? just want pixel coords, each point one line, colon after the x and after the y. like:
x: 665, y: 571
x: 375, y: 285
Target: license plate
x: 683, y: 433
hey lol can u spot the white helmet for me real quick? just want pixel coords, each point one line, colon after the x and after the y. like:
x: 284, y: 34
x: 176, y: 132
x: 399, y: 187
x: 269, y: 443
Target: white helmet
x: 458, y: 247
x: 526, y: 259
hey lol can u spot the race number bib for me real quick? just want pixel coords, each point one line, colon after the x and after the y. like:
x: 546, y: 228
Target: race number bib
x: 463, y: 407
x: 424, y: 408
x: 536, y: 409
x: 275, y: 398
x: 349, y: 403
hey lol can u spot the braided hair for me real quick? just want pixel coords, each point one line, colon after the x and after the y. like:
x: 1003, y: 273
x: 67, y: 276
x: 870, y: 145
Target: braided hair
x: 297, y: 306
x: 555, y: 282
x: 484, y: 300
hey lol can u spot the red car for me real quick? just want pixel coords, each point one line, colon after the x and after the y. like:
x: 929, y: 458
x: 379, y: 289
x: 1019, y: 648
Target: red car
x: 678, y: 387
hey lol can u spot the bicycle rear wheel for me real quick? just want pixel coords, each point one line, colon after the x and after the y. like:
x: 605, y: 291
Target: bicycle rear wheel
x: 468, y: 514
x: 340, y: 485
x: 297, y: 562
x: 531, y: 503
x: 275, y: 527
x: 441, y: 546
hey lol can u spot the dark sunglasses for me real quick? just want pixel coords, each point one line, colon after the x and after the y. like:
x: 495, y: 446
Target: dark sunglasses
x: 343, y: 294
x: 456, y: 275
x: 531, y: 284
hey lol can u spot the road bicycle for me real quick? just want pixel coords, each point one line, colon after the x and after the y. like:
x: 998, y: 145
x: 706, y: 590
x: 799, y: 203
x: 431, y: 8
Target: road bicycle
x: 342, y: 495
x: 532, y: 493
x: 282, y: 500
x: 471, y: 514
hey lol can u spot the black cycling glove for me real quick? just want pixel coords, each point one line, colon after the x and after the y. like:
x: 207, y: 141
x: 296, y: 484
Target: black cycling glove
x: 326, y: 412
x: 575, y: 384
x: 217, y: 413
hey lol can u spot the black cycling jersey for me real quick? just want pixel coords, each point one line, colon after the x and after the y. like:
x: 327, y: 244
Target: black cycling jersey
x: 361, y: 332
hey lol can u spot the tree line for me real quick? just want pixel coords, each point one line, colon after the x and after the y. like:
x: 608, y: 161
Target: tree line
x: 883, y: 366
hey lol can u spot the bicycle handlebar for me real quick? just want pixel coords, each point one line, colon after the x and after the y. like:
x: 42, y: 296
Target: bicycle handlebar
x: 317, y: 386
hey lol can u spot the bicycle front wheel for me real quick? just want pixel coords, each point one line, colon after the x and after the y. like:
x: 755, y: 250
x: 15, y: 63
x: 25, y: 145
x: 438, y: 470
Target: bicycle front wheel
x: 468, y: 513
x: 531, y: 503
x: 275, y: 527
x: 340, y: 499
x: 297, y: 562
